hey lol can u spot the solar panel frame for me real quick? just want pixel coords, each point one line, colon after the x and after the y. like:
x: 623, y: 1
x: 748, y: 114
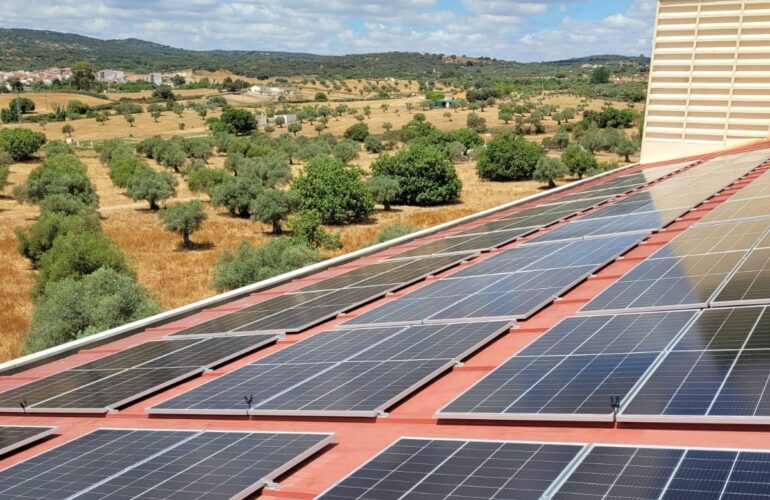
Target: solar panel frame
x: 428, y: 469
x: 32, y: 434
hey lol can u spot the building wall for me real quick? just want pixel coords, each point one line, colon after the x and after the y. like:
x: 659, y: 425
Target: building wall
x: 709, y: 77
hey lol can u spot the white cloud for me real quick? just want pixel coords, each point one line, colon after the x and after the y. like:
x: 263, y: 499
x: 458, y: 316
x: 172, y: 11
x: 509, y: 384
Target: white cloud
x: 508, y: 29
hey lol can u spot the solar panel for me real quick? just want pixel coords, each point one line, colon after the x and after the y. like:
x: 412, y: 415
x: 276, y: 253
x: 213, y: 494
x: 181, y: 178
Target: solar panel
x: 598, y: 251
x: 338, y: 372
x: 642, y: 222
x: 717, y: 372
x: 132, y: 374
x: 732, y: 210
x: 572, y: 371
x: 687, y: 282
x: 514, y: 284
x: 750, y: 284
x: 442, y: 468
x: 759, y: 187
x: 467, y: 243
x: 672, y: 473
x: 13, y: 437
x: 297, y: 311
x: 715, y: 238
x: 126, y: 463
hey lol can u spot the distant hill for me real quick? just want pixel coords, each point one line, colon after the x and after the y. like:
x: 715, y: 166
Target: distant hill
x: 35, y: 49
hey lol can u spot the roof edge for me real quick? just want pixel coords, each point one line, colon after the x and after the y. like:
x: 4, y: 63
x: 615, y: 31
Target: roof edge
x: 41, y: 357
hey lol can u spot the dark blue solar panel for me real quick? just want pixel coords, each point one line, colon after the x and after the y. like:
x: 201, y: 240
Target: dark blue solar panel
x: 574, y: 368
x: 720, y: 368
x: 433, y: 469
x: 344, y: 370
x: 160, y: 464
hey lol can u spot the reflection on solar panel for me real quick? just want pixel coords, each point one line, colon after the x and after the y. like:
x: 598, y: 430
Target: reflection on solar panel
x: 758, y: 188
x: 752, y: 208
x: 442, y: 468
x: 125, y: 463
x: 476, y: 242
x: 647, y: 473
x: 13, y: 437
x: 718, y: 371
x: 573, y: 370
x: 118, y: 379
x: 688, y: 282
x: 750, y: 284
x: 297, y: 311
x: 727, y: 237
x: 642, y: 222
x: 514, y: 284
x: 339, y: 372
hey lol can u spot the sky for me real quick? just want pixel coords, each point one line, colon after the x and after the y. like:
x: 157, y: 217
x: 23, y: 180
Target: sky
x: 519, y: 30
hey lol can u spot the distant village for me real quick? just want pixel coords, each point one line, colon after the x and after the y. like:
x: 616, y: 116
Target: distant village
x: 109, y: 76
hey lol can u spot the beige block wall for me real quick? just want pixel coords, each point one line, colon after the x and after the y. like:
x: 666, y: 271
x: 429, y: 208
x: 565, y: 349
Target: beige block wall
x: 709, y: 77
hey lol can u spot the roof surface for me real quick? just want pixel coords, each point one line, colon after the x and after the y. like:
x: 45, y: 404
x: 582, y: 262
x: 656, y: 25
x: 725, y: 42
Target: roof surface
x: 357, y: 440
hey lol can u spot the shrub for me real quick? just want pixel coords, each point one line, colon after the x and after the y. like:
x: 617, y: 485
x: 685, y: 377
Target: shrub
x: 272, y: 206
x: 64, y: 204
x: 578, y: 160
x: 76, y: 255
x: 184, y: 218
x: 58, y: 148
x: 123, y: 168
x: 151, y: 186
x: 455, y: 150
x: 204, y: 180
x: 357, y: 132
x: 37, y: 239
x: 333, y: 190
x: 248, y: 264
x: 548, y: 169
x: 373, y: 144
x: 59, y: 174
x: 470, y: 138
x: 424, y: 173
x: 238, y: 121
x: 236, y: 194
x: 113, y: 148
x: 20, y: 143
x: 73, y: 308
x: 307, y: 229
x: 476, y: 122
x: 509, y: 157
x: 393, y: 231
x: 384, y: 190
x: 346, y: 150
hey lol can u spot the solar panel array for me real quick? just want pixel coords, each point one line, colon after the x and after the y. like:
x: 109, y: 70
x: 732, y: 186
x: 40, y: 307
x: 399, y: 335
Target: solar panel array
x: 13, y: 437
x: 718, y: 371
x: 690, y: 271
x: 297, y: 311
x: 426, y: 468
x: 343, y: 372
x: 573, y: 370
x: 514, y: 284
x: 159, y: 464
x: 120, y: 378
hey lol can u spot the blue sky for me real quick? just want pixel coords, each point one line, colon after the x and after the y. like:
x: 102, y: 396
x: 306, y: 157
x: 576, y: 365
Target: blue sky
x: 522, y: 30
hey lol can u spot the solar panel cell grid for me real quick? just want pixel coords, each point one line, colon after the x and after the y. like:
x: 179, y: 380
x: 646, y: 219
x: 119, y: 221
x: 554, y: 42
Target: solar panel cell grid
x: 160, y: 464
x: 753, y: 208
x: 340, y: 371
x: 573, y: 370
x: 422, y: 468
x: 718, y: 370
